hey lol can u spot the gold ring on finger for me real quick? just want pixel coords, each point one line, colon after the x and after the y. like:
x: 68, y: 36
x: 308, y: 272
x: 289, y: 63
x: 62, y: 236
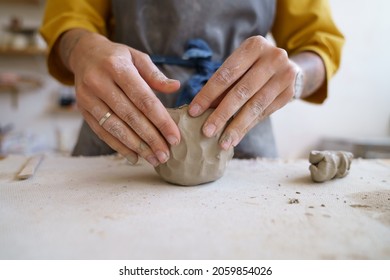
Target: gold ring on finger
x: 104, y: 118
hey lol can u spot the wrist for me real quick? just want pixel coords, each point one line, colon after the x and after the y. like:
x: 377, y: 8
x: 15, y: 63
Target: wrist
x: 70, y: 47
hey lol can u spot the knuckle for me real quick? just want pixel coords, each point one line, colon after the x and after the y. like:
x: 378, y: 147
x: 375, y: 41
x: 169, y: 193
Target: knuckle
x: 220, y: 117
x: 242, y: 92
x: 164, y: 125
x: 89, y: 80
x: 131, y: 118
x: 280, y: 55
x: 144, y: 57
x: 116, y: 130
x: 140, y: 58
x: 146, y: 104
x: 150, y: 139
x: 139, y: 128
x: 224, y: 76
x: 257, y: 109
x: 111, y: 61
x: 255, y: 41
x: 203, y: 99
x: 147, y: 137
x: 117, y: 64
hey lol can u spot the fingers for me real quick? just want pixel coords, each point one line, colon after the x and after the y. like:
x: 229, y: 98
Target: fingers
x: 128, y: 96
x: 139, y: 123
x: 137, y: 90
x: 250, y: 115
x: 114, y: 143
x: 237, y: 96
x: 255, y: 81
x: 152, y: 75
x: 118, y: 135
x: 114, y: 78
x: 234, y: 67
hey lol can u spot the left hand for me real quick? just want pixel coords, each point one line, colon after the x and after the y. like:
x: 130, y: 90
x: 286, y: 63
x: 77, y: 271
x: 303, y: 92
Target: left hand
x: 255, y: 80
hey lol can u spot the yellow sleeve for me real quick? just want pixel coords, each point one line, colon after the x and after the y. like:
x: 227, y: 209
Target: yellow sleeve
x: 63, y: 15
x: 307, y: 25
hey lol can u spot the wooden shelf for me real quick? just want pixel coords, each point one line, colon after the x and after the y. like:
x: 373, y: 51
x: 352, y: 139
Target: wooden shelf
x: 22, y: 52
x: 34, y: 2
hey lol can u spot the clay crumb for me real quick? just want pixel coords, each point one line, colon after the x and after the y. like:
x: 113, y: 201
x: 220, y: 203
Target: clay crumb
x: 359, y: 206
x: 293, y: 201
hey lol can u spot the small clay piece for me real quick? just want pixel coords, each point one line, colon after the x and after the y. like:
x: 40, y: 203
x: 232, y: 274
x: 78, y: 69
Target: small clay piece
x: 197, y: 159
x: 293, y: 201
x: 326, y: 165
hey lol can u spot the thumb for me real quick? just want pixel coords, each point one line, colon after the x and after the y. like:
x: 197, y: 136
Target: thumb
x: 152, y: 75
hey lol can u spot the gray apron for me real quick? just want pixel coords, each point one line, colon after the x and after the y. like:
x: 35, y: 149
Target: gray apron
x: 164, y: 27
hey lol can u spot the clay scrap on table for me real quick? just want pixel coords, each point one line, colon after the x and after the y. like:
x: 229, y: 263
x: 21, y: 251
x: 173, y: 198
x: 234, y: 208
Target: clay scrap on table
x: 197, y: 159
x: 327, y: 165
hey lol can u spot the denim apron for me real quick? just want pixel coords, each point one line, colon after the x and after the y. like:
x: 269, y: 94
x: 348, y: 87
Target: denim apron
x: 164, y: 27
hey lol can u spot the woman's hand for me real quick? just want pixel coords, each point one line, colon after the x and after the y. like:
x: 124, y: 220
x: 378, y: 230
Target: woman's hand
x: 255, y: 80
x: 116, y: 79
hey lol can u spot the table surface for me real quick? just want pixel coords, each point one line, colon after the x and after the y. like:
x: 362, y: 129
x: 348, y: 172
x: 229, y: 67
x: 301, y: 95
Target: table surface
x: 104, y: 208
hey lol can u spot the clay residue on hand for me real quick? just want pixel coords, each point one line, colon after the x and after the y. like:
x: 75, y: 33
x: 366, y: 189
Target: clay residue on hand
x: 197, y: 159
x: 327, y: 165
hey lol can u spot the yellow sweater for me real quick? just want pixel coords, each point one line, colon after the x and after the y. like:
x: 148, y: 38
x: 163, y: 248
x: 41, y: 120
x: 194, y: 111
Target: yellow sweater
x: 300, y: 25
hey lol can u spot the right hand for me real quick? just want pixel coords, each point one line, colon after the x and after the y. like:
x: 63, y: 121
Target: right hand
x: 115, y: 78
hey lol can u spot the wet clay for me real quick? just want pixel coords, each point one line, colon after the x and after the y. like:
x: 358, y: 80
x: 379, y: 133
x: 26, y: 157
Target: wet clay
x: 327, y: 165
x: 197, y: 159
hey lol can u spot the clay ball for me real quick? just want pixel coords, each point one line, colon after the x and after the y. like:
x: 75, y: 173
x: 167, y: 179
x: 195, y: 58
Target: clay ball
x: 197, y: 159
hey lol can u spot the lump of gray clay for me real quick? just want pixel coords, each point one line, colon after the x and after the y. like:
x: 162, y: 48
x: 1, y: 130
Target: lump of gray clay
x: 327, y: 165
x: 197, y: 159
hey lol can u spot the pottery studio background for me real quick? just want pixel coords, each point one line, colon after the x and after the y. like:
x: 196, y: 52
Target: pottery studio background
x: 36, y: 116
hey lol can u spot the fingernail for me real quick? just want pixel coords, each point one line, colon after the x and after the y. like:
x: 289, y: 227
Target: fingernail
x: 170, y: 81
x: 153, y: 160
x: 225, y: 142
x: 209, y: 130
x: 132, y: 159
x: 172, y: 140
x: 162, y: 157
x: 194, y: 110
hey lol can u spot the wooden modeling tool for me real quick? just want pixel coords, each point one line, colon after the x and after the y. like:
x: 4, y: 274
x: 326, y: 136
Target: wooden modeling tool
x: 30, y: 167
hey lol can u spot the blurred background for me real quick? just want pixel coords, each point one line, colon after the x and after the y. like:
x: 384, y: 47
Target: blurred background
x: 37, y: 114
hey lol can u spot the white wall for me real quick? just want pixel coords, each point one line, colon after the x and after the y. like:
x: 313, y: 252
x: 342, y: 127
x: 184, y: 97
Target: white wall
x: 359, y: 95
